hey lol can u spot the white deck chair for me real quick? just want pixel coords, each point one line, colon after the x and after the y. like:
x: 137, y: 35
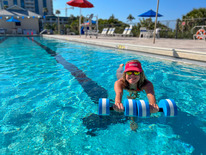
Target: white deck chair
x: 2, y: 31
x: 123, y: 33
x: 143, y: 32
x: 93, y: 33
x: 157, y: 32
x: 109, y: 31
x: 104, y: 31
x: 149, y: 33
x: 19, y: 31
x: 129, y: 31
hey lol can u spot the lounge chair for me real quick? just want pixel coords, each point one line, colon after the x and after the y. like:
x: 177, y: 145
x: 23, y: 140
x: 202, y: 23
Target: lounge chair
x: 157, y: 34
x: 123, y: 33
x: 129, y: 31
x: 149, y: 33
x: 93, y: 33
x: 143, y: 32
x: 2, y: 31
x: 19, y: 31
x: 104, y: 31
x: 111, y: 32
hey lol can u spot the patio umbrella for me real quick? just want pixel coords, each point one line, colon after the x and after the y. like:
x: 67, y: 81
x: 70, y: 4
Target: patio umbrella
x: 150, y: 13
x: 80, y: 4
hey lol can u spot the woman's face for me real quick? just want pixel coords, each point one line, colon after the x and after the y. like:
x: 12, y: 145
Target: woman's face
x: 132, y: 79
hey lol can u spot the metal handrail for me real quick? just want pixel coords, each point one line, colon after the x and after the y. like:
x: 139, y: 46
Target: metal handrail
x: 43, y: 31
x: 201, y: 26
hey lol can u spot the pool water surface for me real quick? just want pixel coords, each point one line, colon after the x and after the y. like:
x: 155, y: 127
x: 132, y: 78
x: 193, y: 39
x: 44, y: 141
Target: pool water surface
x: 50, y: 90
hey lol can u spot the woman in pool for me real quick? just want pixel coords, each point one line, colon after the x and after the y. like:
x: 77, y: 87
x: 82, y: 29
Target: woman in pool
x: 133, y: 80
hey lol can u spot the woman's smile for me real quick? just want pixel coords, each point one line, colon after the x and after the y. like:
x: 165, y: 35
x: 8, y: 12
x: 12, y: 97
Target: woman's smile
x: 132, y: 79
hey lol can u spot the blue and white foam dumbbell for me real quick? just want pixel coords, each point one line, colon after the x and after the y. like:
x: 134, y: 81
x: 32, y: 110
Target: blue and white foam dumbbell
x: 143, y: 108
x: 104, y: 106
x: 168, y: 106
x: 139, y: 108
x: 129, y: 105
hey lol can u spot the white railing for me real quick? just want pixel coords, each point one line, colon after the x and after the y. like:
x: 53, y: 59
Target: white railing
x: 200, y: 26
x: 43, y: 31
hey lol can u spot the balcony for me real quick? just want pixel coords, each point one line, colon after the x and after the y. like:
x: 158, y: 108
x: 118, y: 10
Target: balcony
x: 29, y: 2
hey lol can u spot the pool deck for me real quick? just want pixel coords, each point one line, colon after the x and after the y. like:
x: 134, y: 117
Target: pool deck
x: 179, y: 49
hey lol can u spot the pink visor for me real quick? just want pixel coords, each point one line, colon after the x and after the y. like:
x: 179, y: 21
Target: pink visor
x: 133, y: 66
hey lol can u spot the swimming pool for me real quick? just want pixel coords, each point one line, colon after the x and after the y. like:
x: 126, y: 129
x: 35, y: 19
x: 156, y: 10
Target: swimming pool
x: 49, y: 94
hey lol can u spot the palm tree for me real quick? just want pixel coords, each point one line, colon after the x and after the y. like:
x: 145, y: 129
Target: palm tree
x: 5, y: 7
x: 45, y: 11
x: 112, y: 20
x: 112, y: 17
x: 58, y: 12
x: 130, y: 18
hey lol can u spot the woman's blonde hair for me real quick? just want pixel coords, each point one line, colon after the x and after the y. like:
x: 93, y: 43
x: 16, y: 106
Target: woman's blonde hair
x: 140, y: 82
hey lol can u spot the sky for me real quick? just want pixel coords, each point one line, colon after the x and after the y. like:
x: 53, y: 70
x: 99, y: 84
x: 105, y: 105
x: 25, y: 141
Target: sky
x: 170, y: 9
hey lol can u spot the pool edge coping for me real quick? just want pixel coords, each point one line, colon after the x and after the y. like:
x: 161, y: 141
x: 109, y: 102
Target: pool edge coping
x: 178, y: 54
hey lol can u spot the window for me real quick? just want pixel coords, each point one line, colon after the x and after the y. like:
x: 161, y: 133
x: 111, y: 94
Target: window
x: 18, y: 24
x: 15, y: 2
x: 36, y: 6
x: 44, y: 4
x: 6, y: 3
x: 22, y: 4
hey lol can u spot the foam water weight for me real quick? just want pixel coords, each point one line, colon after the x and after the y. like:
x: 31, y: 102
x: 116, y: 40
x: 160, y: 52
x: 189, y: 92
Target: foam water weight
x: 139, y: 108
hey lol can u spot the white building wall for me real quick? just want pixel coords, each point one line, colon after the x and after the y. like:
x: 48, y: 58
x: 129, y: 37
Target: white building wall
x: 26, y: 23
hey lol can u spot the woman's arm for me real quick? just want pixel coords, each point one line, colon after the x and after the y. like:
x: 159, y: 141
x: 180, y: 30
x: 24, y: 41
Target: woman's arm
x: 118, y: 87
x: 120, y: 71
x: 149, y: 89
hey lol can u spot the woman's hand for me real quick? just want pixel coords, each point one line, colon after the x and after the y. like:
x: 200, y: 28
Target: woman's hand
x: 118, y: 107
x: 154, y: 108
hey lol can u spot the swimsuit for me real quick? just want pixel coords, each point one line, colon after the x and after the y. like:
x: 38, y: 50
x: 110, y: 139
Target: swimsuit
x: 133, y: 94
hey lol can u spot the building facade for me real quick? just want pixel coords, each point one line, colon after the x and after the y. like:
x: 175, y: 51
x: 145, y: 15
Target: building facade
x: 17, y: 20
x: 37, y: 6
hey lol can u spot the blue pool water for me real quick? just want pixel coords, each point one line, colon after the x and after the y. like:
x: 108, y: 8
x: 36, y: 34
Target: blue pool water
x: 49, y: 93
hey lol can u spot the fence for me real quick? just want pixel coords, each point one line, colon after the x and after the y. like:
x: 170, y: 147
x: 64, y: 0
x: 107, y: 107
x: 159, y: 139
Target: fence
x: 179, y: 29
